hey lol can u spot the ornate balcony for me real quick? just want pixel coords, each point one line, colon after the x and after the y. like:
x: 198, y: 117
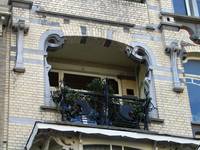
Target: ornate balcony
x: 101, y: 107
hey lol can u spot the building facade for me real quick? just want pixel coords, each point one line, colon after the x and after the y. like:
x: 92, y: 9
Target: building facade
x: 138, y: 58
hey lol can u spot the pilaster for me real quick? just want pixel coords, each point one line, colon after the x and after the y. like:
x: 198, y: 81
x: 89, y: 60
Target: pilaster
x: 20, y: 26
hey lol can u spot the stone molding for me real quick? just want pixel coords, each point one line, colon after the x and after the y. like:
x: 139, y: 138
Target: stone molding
x: 4, y: 16
x: 21, y: 3
x: 169, y: 26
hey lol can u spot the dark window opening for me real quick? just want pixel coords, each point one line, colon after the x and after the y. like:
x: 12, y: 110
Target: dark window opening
x: 77, y: 81
x: 180, y: 7
x: 96, y: 147
x: 114, y: 147
x: 129, y: 148
x: 114, y: 85
x: 54, y: 79
x: 130, y: 92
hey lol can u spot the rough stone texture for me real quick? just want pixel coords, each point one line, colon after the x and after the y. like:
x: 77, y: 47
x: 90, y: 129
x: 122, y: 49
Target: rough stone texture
x: 26, y: 91
x: 4, y: 2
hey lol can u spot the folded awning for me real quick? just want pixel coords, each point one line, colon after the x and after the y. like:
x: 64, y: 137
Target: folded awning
x: 108, y: 132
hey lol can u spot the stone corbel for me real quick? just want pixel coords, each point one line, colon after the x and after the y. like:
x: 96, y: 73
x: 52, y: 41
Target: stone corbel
x: 21, y: 29
x: 52, y: 43
x: 4, y: 16
x: 175, y: 50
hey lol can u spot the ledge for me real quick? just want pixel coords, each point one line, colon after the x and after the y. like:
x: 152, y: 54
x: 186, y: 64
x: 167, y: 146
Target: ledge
x: 21, y: 3
x: 167, y: 24
x: 184, y: 18
x: 156, y: 120
x: 116, y: 23
x: 195, y: 123
x: 4, y: 11
x: 49, y: 108
x: 54, y: 109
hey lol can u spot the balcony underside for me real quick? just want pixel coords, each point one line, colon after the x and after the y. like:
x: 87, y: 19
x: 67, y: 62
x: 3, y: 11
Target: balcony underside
x: 76, y: 137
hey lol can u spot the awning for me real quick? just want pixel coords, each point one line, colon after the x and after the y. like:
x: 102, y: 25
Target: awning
x: 108, y: 132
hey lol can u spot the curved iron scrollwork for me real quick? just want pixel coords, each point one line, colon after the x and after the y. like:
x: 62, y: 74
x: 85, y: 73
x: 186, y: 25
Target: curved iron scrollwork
x: 102, y: 108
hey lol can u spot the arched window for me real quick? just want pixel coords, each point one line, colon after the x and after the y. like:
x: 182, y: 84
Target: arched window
x: 192, y: 71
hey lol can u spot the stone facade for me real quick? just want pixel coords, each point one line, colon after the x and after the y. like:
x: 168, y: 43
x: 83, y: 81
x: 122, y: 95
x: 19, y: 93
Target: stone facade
x: 22, y: 93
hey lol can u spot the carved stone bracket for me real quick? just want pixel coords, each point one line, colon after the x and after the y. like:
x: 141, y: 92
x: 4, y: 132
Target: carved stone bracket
x: 4, y: 15
x: 132, y: 53
x: 175, y: 50
x: 52, y: 43
x: 136, y: 53
x: 20, y: 28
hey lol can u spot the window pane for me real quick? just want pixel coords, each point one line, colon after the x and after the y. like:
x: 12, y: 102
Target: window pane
x: 180, y: 7
x: 192, y: 67
x: 129, y: 148
x: 53, y: 79
x: 198, y: 4
x: 194, y: 95
x: 77, y: 81
x: 114, y: 85
x: 114, y: 147
x: 96, y: 147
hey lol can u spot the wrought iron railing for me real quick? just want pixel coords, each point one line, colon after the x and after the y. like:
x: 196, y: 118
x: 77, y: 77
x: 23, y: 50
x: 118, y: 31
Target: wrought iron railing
x: 103, y: 109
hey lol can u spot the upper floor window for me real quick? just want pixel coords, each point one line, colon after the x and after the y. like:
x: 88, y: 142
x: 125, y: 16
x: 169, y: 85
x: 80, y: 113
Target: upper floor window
x: 193, y: 84
x: 180, y: 7
x: 187, y: 7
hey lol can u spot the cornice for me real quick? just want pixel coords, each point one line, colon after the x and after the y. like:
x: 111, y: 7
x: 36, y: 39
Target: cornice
x: 182, y: 18
x: 21, y: 3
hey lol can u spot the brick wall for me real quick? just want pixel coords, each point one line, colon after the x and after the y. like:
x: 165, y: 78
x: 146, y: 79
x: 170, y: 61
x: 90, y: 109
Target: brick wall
x: 26, y: 90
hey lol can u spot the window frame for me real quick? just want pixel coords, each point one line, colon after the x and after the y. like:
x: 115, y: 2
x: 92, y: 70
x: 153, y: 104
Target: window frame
x: 191, y: 77
x: 62, y: 72
x: 191, y: 8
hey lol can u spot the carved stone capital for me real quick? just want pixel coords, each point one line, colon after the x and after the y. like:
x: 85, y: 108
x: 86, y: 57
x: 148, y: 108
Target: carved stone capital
x: 20, y: 25
x: 132, y: 52
x: 54, y: 42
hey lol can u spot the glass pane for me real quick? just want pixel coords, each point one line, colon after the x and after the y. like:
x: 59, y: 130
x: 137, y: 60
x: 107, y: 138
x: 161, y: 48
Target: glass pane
x: 198, y: 4
x: 77, y: 81
x: 54, y: 79
x: 192, y: 67
x: 180, y: 7
x: 96, y: 147
x: 114, y: 147
x: 129, y: 148
x: 114, y: 85
x: 194, y: 95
